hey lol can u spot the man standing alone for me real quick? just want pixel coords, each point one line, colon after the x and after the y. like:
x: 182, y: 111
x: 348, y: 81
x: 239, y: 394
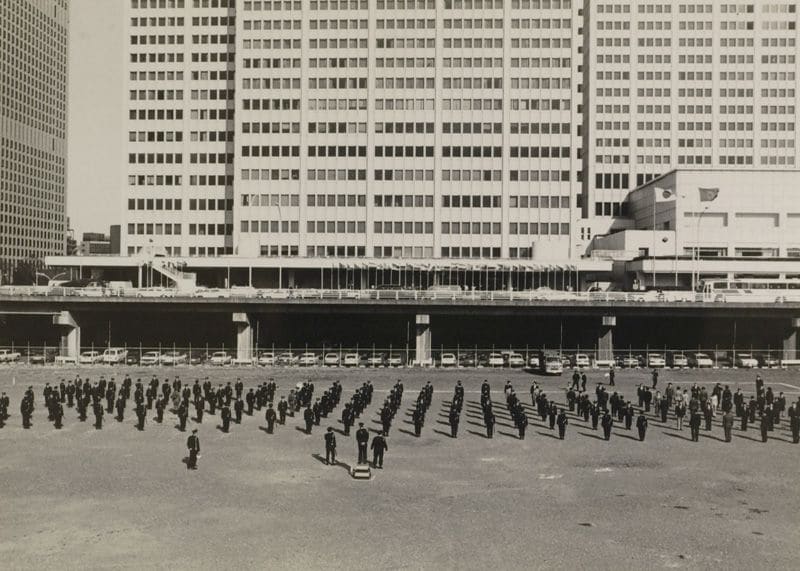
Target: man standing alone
x: 193, y: 444
x: 330, y: 446
x: 362, y: 438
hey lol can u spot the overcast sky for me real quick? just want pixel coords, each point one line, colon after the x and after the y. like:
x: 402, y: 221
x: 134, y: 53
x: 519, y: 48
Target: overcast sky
x: 95, y: 115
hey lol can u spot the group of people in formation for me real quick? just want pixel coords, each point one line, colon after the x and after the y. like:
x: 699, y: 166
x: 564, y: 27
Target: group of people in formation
x: 695, y: 406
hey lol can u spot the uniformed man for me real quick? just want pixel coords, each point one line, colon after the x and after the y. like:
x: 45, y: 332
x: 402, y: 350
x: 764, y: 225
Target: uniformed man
x: 270, y: 418
x: 379, y: 446
x: 362, y: 438
x: 250, y: 398
x: 454, y: 420
x: 317, y: 410
x: 522, y: 424
x: 161, y: 404
x: 727, y: 424
x: 764, y: 426
x: 611, y: 375
x: 330, y: 446
x: 226, y: 418
x: 193, y: 444
x: 418, y: 417
x: 347, y: 418
x: 794, y: 423
x: 562, y: 422
x: 641, y: 425
x: 199, y: 408
x: 308, y: 416
x: 694, y: 425
x: 238, y: 409
x: 98, y: 415
x: 283, y: 406
x: 140, y: 415
x: 183, y: 414
x: 58, y: 414
x: 607, y: 423
x: 655, y: 378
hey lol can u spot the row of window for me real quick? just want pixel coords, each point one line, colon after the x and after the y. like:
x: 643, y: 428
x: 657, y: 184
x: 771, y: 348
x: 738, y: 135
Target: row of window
x: 470, y: 252
x: 165, y: 229
x: 542, y: 228
x: 270, y: 226
x: 395, y: 227
x: 467, y: 201
x: 155, y: 136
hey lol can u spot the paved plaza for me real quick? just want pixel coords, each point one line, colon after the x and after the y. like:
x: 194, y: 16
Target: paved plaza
x: 120, y: 498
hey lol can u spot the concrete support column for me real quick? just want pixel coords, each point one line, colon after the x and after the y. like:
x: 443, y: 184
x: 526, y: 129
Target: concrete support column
x: 244, y: 336
x: 790, y: 339
x: 70, y: 345
x: 605, y: 338
x: 423, y: 329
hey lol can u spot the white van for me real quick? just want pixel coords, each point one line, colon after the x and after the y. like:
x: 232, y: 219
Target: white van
x: 114, y: 355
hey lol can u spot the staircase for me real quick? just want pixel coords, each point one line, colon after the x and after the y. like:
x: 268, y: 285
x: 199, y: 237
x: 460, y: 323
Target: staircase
x: 184, y: 281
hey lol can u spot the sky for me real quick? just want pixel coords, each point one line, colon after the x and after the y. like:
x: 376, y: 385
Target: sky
x: 96, y: 57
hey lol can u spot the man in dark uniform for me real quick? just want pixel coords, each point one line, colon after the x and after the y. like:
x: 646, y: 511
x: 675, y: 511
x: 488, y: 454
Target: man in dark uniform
x: 250, y: 397
x: 418, y: 417
x: 595, y: 416
x: 193, y: 444
x: 347, y: 418
x: 160, y: 406
x: 58, y: 414
x: 199, y: 408
x: 607, y: 423
x: 330, y: 446
x: 317, y: 410
x: 727, y: 424
x: 270, y: 418
x: 454, y: 420
x: 362, y: 438
x: 765, y: 420
x: 655, y: 377
x: 562, y: 422
x: 98, y: 415
x: 794, y: 423
x: 522, y: 424
x: 283, y: 406
x: 70, y: 390
x: 694, y: 425
x: 140, y: 415
x: 379, y: 446
x: 308, y: 416
x: 238, y: 409
x: 641, y: 425
x: 611, y: 375
x: 489, y: 420
x: 120, y: 408
x: 226, y: 418
x: 183, y: 414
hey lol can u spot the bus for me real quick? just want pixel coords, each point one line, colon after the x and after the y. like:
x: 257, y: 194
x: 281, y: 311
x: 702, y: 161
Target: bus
x: 746, y: 289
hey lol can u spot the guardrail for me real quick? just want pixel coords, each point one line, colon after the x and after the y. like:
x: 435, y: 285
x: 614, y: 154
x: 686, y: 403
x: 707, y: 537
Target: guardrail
x: 677, y: 297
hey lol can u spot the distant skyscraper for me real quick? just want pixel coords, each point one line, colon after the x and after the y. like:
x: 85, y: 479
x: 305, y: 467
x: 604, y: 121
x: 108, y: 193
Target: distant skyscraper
x: 33, y: 129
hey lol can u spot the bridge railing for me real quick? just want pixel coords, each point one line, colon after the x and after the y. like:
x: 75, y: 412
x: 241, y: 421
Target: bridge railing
x: 453, y: 295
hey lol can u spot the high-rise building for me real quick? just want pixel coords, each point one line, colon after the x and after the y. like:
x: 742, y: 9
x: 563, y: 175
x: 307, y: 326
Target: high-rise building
x: 33, y: 130
x: 437, y: 128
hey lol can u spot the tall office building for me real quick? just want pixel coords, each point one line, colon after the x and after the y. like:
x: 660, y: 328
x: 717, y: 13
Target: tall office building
x: 452, y: 129
x: 691, y: 85
x: 33, y: 130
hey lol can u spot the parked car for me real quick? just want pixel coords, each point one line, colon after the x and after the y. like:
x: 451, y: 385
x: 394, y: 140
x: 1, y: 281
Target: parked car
x: 746, y: 361
x: 394, y: 360
x: 376, y: 360
x: 467, y: 360
x: 331, y: 360
x: 220, y: 358
x: 155, y: 292
x: 212, y: 292
x: 630, y: 361
x: 678, y: 360
x: 581, y: 360
x: 724, y: 360
x: 287, y: 359
x: 46, y: 355
x: 448, y: 360
x: 351, y: 360
x: 515, y: 360
x: 171, y: 358
x: 700, y: 360
x: 114, y: 355
x: 150, y: 358
x: 656, y: 361
x: 533, y: 362
x: 9, y: 356
x: 243, y: 291
x: 266, y: 359
x: 495, y: 360
x: 308, y: 360
x: 90, y: 358
x: 767, y: 361
x: 132, y: 359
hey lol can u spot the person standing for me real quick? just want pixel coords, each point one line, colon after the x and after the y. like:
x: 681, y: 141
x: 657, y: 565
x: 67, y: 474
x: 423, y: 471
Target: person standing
x: 794, y: 423
x: 607, y: 423
x: 764, y: 426
x: 362, y: 438
x: 641, y: 425
x: 727, y: 424
x: 680, y: 412
x: 140, y: 416
x: 238, y: 407
x: 283, y: 406
x: 330, y: 446
x: 379, y: 446
x: 160, y: 405
x: 489, y: 420
x: 418, y: 417
x: 308, y: 416
x: 226, y: 417
x: 562, y: 422
x: 454, y: 419
x: 270, y: 417
x: 98, y: 415
x: 694, y: 426
x: 655, y: 378
x: 183, y: 414
x: 611, y: 375
x: 193, y: 444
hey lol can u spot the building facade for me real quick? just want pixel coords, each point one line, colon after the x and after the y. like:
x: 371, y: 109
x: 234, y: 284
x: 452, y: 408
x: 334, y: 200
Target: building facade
x: 33, y: 131
x: 437, y: 129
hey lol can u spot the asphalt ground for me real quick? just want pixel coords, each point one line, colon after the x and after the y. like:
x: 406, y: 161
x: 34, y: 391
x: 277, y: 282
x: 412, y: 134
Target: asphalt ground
x: 81, y: 498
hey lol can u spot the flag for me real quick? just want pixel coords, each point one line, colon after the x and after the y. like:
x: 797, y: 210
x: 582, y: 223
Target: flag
x: 664, y: 194
x: 708, y: 194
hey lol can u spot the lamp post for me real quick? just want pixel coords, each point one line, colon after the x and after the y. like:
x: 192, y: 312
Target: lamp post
x: 696, y: 252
